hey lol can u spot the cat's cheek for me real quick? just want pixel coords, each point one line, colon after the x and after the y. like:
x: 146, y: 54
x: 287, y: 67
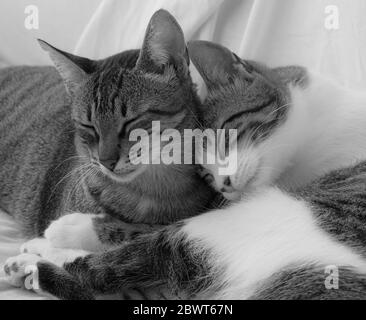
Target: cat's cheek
x: 74, y: 231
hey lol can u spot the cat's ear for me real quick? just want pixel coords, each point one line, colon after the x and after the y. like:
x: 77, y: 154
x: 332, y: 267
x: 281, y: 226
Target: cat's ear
x: 73, y: 69
x: 216, y: 64
x: 163, y: 45
x: 200, y: 83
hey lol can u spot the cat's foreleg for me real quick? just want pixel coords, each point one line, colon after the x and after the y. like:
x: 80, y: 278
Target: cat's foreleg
x: 91, y: 232
x: 51, y: 266
x: 24, y: 271
x: 222, y: 254
x: 162, y: 258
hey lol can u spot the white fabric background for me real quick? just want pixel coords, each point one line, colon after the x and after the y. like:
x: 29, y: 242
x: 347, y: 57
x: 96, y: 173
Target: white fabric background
x: 278, y: 32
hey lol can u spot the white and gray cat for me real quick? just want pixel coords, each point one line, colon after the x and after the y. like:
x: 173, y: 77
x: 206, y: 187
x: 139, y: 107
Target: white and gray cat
x: 294, y: 127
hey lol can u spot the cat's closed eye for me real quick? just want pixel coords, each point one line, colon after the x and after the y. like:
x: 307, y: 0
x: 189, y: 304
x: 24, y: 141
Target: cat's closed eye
x: 87, y: 132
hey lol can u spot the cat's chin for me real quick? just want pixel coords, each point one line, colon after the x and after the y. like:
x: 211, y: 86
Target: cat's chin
x: 125, y: 177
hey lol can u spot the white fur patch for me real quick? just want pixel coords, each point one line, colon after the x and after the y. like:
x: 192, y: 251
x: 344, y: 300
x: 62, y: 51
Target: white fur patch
x: 254, y: 239
x: 74, y: 231
x: 326, y: 130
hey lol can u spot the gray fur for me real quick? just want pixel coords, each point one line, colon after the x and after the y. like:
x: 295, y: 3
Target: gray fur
x: 294, y: 75
x: 308, y: 283
x: 339, y: 202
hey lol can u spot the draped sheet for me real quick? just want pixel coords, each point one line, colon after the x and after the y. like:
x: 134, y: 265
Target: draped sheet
x: 277, y: 32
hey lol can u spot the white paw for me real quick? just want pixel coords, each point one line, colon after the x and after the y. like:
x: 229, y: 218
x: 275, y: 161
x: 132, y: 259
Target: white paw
x: 18, y: 268
x: 43, y: 248
x: 74, y: 231
x: 38, y: 246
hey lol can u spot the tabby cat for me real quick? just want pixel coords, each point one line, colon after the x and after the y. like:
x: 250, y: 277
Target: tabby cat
x: 272, y: 244
x: 66, y: 151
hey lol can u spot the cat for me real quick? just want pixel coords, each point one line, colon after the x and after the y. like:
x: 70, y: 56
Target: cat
x: 65, y: 172
x: 277, y: 241
x: 293, y: 124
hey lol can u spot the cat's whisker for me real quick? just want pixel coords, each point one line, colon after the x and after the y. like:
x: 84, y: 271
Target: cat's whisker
x: 279, y: 108
x: 223, y: 202
x: 75, y: 188
x: 80, y: 180
x: 267, y: 116
x: 70, y: 158
x: 68, y: 175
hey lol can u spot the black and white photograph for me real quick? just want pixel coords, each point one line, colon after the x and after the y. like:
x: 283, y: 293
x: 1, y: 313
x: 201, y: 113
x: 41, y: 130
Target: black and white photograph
x: 201, y: 151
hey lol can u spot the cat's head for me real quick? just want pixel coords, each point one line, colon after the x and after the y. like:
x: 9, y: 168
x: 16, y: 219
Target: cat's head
x: 254, y: 100
x: 114, y: 96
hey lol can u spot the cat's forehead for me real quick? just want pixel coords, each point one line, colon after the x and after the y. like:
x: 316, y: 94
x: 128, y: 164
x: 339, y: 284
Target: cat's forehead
x: 240, y: 95
x: 128, y: 91
x: 133, y: 82
x: 246, y: 106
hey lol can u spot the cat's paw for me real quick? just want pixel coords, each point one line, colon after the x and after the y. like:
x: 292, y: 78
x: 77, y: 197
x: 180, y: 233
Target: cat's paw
x: 74, y: 231
x: 19, y: 267
x: 43, y: 248
x: 38, y: 246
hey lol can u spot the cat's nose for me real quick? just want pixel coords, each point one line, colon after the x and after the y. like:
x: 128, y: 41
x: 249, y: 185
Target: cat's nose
x: 109, y: 163
x: 227, y: 188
